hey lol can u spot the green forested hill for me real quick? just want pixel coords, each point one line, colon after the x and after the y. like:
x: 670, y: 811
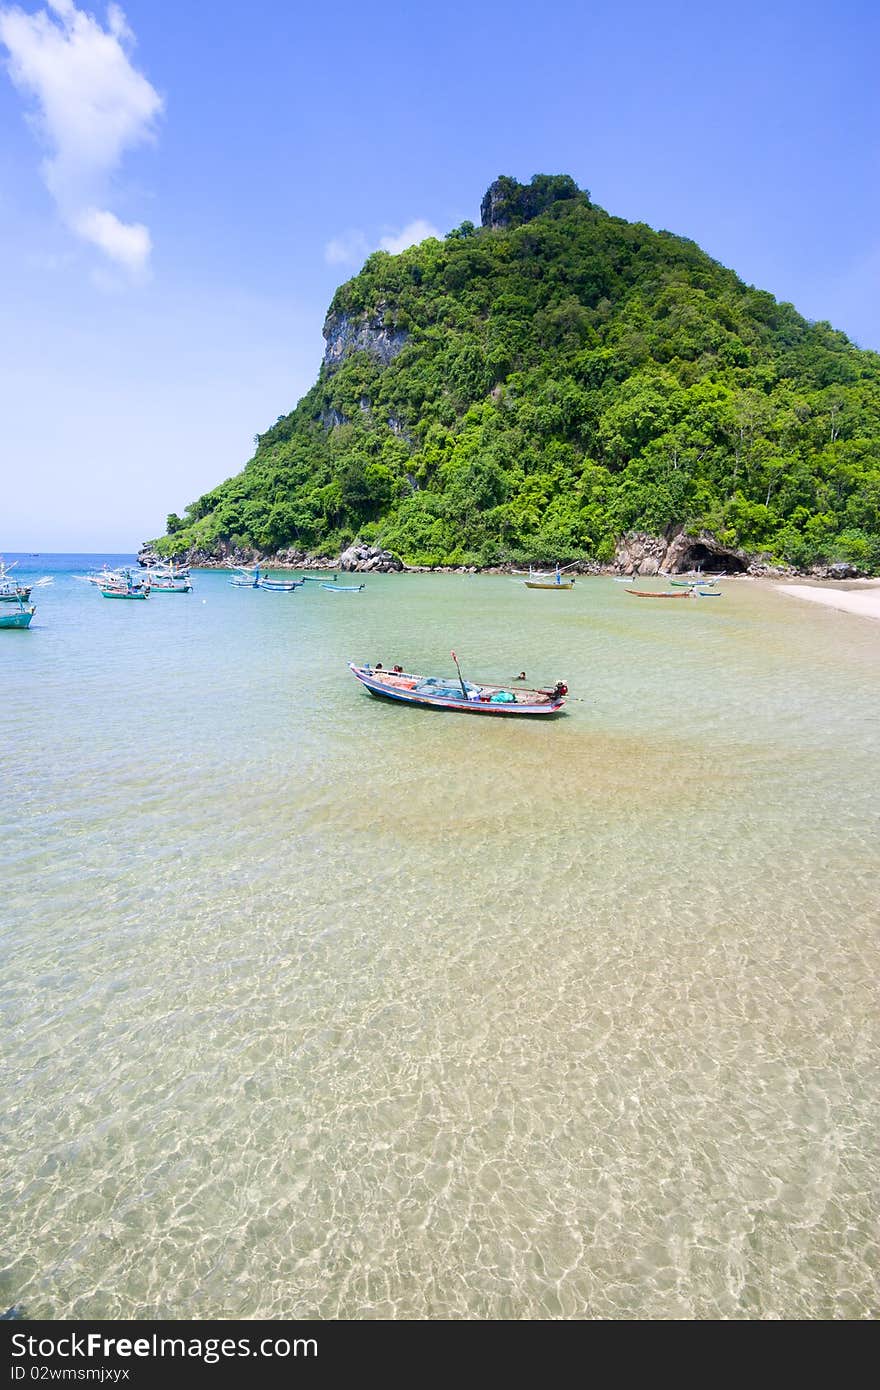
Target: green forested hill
x: 531, y: 389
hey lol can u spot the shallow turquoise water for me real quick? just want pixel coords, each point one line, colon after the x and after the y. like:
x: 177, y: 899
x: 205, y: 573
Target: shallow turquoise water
x: 320, y: 1006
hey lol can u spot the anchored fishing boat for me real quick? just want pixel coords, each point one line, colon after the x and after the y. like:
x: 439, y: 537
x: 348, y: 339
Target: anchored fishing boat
x: 126, y: 587
x: 659, y: 593
x: 168, y: 580
x: 344, y: 588
x: 281, y: 586
x: 459, y: 695
x: 17, y: 619
x: 246, y: 579
x: 548, y: 581
x: 10, y: 589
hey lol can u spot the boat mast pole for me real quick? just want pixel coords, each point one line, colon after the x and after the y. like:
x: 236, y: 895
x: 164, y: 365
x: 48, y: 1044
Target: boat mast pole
x: 460, y: 681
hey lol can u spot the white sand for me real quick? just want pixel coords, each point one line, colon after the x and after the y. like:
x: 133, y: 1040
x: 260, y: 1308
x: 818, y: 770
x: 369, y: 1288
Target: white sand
x: 863, y: 601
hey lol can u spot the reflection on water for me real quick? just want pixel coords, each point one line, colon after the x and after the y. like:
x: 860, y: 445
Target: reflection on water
x: 320, y: 1006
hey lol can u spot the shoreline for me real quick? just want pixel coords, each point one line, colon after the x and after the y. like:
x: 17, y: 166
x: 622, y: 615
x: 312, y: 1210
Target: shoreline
x: 859, y: 597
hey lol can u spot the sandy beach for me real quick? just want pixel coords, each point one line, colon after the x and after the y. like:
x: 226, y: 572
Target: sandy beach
x: 863, y: 600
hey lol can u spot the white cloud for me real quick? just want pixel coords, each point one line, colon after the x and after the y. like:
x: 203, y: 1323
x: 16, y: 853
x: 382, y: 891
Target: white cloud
x: 91, y: 105
x: 126, y: 242
x: 353, y: 247
x: 410, y: 235
x: 348, y: 249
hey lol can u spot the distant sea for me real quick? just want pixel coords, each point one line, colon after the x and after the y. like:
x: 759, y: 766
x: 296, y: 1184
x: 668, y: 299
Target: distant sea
x: 319, y: 1006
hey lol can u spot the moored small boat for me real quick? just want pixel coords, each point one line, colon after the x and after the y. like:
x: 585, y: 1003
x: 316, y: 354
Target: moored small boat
x: 10, y: 589
x: 548, y: 581
x: 168, y: 579
x: 246, y: 579
x: 659, y: 593
x: 281, y: 586
x: 344, y: 588
x: 126, y: 587
x: 17, y: 619
x: 451, y: 693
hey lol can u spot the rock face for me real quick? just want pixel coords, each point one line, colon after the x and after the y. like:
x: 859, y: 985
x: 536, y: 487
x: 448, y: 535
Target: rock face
x: 148, y: 557
x: 639, y: 553
x: 369, y: 557
x: 509, y: 204
x: 345, y: 335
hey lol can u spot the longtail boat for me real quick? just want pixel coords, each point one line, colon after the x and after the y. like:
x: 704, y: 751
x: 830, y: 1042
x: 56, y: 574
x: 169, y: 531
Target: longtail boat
x: 451, y: 693
x: 344, y: 588
x: 166, y: 579
x: 548, y: 581
x: 658, y: 593
x: 12, y: 619
x: 246, y: 579
x: 281, y: 586
x: 126, y: 587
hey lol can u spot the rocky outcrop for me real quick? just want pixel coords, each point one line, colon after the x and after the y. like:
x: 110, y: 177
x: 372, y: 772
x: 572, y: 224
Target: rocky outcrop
x: 148, y: 557
x: 640, y: 553
x: 345, y: 335
x: 842, y: 569
x: 509, y: 204
x: 369, y: 557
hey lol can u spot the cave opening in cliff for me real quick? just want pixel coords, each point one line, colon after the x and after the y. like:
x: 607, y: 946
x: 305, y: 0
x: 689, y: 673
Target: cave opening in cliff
x: 700, y: 557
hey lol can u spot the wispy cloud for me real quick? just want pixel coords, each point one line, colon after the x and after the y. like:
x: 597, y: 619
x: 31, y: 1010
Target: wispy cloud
x: 352, y: 247
x: 346, y: 249
x: 410, y: 235
x: 91, y: 105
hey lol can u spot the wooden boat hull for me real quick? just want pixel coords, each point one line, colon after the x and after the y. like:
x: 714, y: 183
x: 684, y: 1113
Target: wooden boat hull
x: 13, y: 595
x: 537, y: 584
x: 112, y: 593
x: 648, y: 593
x: 405, y: 692
x: 171, y: 588
x: 344, y: 588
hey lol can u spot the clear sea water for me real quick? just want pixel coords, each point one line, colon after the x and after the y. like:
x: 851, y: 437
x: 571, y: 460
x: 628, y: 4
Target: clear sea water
x: 318, y: 1006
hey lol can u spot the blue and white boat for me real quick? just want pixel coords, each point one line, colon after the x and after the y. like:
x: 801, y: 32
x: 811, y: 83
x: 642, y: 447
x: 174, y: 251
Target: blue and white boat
x: 281, y: 586
x: 246, y: 579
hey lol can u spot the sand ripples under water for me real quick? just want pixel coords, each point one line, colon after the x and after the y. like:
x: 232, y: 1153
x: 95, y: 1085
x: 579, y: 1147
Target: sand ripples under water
x: 318, y: 1006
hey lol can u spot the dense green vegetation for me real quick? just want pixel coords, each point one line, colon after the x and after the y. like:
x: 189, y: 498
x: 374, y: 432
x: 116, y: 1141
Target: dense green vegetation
x: 564, y: 377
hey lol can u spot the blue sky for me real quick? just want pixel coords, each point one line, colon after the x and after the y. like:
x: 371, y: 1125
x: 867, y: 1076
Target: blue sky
x: 182, y: 187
